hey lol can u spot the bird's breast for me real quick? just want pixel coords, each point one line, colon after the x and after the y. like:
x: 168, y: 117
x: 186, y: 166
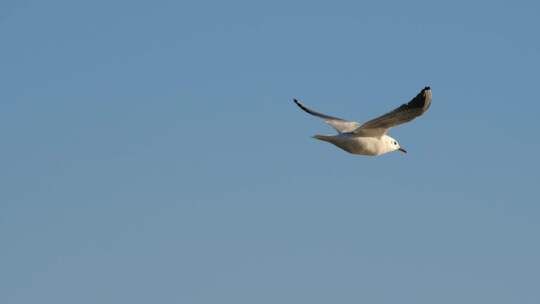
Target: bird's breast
x: 358, y: 145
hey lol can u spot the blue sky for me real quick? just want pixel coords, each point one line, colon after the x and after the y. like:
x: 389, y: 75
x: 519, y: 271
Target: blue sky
x: 151, y: 152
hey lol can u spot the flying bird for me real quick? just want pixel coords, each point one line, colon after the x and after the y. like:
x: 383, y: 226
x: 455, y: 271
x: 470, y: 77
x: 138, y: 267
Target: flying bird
x: 370, y: 138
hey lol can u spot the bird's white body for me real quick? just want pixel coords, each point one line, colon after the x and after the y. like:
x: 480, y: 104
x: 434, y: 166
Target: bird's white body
x: 372, y: 146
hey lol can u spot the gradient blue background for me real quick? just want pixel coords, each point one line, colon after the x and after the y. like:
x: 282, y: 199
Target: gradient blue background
x: 150, y: 152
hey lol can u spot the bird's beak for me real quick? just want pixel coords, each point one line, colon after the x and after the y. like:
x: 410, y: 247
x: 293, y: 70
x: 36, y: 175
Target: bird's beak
x: 402, y: 150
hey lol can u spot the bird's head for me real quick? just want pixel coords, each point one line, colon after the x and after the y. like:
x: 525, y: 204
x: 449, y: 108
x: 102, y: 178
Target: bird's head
x: 393, y: 145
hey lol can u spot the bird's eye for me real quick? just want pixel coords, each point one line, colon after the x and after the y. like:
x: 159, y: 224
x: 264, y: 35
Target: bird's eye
x: 395, y: 143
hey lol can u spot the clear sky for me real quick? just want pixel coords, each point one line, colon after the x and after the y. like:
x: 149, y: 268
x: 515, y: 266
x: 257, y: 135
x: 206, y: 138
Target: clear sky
x: 150, y: 152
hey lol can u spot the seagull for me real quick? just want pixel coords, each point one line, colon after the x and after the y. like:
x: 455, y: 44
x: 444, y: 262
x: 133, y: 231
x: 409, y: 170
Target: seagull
x: 371, y: 137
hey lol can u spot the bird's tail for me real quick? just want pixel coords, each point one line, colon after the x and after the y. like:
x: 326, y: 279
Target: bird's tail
x: 323, y: 137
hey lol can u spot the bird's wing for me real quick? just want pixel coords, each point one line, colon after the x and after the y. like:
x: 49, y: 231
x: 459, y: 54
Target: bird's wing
x: 341, y: 125
x: 405, y: 113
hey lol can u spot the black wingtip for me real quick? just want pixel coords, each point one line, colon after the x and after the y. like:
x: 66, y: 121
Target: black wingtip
x: 298, y: 103
x: 427, y: 88
x: 304, y: 108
